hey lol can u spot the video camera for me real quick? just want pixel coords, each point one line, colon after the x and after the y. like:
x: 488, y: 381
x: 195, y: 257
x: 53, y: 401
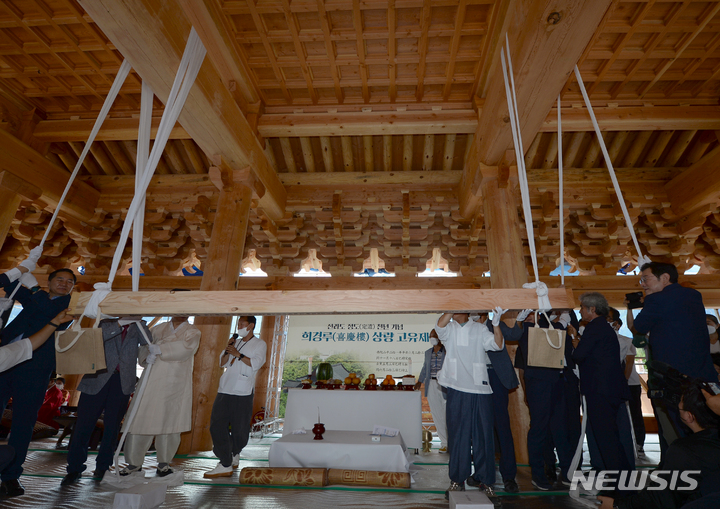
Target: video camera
x: 669, y: 384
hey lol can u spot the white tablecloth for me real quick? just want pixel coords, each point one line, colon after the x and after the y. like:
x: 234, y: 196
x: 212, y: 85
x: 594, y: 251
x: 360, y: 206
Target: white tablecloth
x: 356, y: 411
x: 340, y: 449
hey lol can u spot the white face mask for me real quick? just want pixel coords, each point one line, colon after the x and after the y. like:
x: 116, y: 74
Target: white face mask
x: 552, y: 317
x: 433, y: 341
x: 474, y: 317
x: 242, y: 333
x: 581, y: 330
x: 711, y: 329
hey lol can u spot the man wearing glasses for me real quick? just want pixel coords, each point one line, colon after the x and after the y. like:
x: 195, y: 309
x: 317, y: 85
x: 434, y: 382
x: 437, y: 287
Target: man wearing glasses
x: 674, y: 317
x: 26, y: 383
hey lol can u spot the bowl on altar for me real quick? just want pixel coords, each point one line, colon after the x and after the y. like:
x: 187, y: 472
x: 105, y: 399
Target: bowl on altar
x: 370, y: 387
x: 352, y: 387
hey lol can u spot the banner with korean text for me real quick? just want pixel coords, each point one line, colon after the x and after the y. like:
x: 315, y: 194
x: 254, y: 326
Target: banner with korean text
x: 379, y: 344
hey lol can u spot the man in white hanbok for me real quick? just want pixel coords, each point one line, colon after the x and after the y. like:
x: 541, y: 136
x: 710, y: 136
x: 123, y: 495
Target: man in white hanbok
x: 165, y: 409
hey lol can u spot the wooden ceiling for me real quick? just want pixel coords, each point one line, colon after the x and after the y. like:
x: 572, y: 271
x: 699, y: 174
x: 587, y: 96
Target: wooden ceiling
x: 363, y: 120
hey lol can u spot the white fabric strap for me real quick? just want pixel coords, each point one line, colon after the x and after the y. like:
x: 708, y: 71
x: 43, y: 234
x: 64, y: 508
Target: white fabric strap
x: 141, y: 167
x: 135, y: 404
x: 187, y: 72
x: 641, y: 258
x: 109, y: 100
x: 540, y: 287
x: 92, y: 308
x: 560, y: 192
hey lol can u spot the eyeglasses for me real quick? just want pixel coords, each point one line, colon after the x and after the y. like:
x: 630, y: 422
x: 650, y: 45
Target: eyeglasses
x: 645, y: 278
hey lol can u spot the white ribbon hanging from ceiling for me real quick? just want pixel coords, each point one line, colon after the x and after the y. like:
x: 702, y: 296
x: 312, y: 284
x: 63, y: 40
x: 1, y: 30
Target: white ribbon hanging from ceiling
x: 539, y: 286
x: 141, y: 168
x: 641, y: 258
x: 187, y: 72
x: 560, y: 192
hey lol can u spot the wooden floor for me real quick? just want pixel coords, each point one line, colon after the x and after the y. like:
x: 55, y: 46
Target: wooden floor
x: 45, y: 467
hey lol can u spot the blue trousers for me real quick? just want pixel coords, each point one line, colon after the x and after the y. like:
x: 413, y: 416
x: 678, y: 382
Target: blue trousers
x: 110, y: 399
x: 7, y: 454
x: 602, y: 416
x: 26, y: 385
x: 625, y: 433
x: 546, y: 401
x: 503, y: 431
x: 470, y: 432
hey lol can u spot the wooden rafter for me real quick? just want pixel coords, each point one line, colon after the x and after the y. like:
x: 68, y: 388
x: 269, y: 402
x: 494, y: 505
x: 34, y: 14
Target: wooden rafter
x: 360, y: 45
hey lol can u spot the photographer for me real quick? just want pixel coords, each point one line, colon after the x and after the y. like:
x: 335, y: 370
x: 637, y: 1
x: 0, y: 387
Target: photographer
x: 699, y: 451
x: 675, y: 318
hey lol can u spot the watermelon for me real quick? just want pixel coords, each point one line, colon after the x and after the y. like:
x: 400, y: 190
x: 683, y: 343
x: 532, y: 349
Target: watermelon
x: 324, y: 371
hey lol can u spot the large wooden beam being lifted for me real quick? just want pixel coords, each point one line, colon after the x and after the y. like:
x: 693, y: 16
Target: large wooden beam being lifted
x: 152, y: 34
x: 546, y: 40
x: 316, y: 301
x: 29, y: 165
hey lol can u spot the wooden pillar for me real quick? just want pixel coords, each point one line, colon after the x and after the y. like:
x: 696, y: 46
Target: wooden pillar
x: 263, y: 383
x: 507, y: 270
x: 12, y: 191
x: 221, y: 271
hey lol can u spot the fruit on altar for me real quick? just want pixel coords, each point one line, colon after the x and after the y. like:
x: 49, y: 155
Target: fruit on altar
x: 389, y: 380
x: 324, y: 371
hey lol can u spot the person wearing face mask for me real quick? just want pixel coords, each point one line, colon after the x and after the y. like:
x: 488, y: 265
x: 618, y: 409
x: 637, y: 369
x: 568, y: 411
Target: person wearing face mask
x: 54, y: 398
x: 165, y: 409
x: 502, y: 380
x: 231, y: 417
x: 712, y: 325
x: 433, y: 392
x: 674, y: 316
x: 469, y: 399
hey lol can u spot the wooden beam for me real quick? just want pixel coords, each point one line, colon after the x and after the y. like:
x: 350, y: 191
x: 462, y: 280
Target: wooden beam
x: 401, y: 178
x: 24, y: 162
x: 113, y: 129
x: 218, y: 303
x: 697, y: 186
x: 214, y: 29
x: 211, y: 114
x: 624, y: 118
x: 636, y: 118
x: 604, y: 284
x: 543, y: 55
x: 368, y: 123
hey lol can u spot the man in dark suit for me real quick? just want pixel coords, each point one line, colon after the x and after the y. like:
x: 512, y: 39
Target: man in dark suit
x: 602, y: 379
x: 674, y: 316
x: 109, y: 391
x: 502, y: 380
x: 545, y: 396
x: 27, y: 382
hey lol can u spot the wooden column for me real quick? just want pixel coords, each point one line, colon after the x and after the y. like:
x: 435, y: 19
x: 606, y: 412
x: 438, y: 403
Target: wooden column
x: 262, y: 381
x: 507, y: 270
x: 12, y: 191
x: 221, y: 270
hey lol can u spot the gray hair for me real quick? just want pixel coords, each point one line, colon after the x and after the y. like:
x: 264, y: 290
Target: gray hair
x: 595, y: 300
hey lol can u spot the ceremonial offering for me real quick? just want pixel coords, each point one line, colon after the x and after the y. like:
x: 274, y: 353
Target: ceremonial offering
x: 318, y: 430
x: 324, y: 371
x: 306, y: 384
x: 388, y: 384
x: 352, y: 381
x: 371, y: 383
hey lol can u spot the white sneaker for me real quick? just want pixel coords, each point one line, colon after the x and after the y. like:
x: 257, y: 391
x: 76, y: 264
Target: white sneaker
x: 219, y: 471
x: 236, y: 460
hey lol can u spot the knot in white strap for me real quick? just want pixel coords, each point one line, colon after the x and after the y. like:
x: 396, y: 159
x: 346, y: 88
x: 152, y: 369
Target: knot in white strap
x: 93, y: 306
x: 542, y: 292
x: 642, y: 260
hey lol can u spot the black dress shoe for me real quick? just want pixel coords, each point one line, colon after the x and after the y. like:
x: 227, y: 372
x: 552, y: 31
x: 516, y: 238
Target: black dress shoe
x: 511, y: 486
x: 71, y: 478
x: 98, y: 475
x: 12, y: 488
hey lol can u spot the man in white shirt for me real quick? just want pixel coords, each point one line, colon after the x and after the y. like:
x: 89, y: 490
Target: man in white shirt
x: 469, y: 398
x: 231, y: 416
